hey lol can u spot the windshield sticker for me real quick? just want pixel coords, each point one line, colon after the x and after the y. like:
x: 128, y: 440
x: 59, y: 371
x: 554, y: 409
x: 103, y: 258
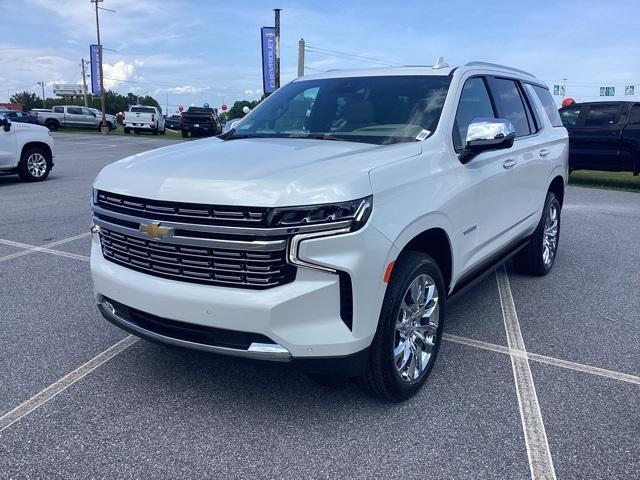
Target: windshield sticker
x: 423, y: 134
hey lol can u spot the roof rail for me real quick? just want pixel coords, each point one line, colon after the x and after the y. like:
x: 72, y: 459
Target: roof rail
x: 501, y: 67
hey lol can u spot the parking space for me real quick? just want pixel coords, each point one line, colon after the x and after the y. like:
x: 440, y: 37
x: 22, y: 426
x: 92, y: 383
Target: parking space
x: 150, y: 411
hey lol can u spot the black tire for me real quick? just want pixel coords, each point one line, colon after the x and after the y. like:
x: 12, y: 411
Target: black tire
x: 185, y: 133
x: 382, y: 376
x: 531, y: 260
x: 110, y: 125
x: 25, y: 173
x: 126, y: 131
x: 52, y: 125
x: 155, y: 132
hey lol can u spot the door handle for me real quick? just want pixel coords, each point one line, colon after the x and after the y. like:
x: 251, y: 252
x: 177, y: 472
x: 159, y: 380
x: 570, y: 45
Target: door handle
x: 544, y: 152
x: 510, y: 163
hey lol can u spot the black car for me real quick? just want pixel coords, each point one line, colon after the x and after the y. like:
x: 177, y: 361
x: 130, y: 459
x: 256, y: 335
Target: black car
x: 19, y: 117
x: 200, y: 121
x: 603, y: 136
x: 172, y: 122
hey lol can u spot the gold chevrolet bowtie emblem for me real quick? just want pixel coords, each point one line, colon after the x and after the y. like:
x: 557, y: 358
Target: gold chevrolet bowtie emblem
x: 155, y: 230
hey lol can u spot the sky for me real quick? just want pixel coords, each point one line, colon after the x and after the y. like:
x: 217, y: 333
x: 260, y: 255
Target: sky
x: 186, y: 52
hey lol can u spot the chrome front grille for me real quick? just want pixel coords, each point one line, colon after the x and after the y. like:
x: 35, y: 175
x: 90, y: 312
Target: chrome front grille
x: 182, y: 212
x: 212, y: 245
x: 196, y: 264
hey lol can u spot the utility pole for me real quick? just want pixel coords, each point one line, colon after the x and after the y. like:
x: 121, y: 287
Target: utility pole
x: 166, y: 112
x: 42, y: 85
x: 564, y: 87
x: 277, y: 24
x: 103, y: 125
x: 301, y: 57
x: 83, y: 62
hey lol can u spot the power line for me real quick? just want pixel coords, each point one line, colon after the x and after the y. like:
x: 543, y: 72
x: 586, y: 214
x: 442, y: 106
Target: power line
x: 349, y: 56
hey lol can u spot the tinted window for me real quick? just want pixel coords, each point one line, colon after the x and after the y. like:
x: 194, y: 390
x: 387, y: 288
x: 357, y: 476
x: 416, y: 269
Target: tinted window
x: 74, y: 111
x: 544, y: 95
x: 86, y: 111
x: 634, y: 119
x: 510, y: 104
x: 569, y: 115
x: 143, y: 109
x: 58, y: 109
x: 474, y: 103
x: 378, y: 110
x: 601, y: 115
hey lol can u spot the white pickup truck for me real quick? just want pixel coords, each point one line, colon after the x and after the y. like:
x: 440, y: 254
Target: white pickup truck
x: 25, y: 149
x: 141, y: 118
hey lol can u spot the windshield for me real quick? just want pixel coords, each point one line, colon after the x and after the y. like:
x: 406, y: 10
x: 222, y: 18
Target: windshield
x: 143, y: 109
x: 376, y: 110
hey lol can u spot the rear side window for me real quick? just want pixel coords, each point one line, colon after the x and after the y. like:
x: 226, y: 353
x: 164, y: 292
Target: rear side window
x: 510, y: 105
x: 602, y: 115
x: 544, y: 95
x: 634, y: 118
x: 570, y: 115
x: 58, y: 109
x: 74, y: 111
x: 474, y: 103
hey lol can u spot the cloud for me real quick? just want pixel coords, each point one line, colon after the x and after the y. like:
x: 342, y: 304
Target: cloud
x: 118, y: 73
x: 257, y: 91
x: 186, y: 90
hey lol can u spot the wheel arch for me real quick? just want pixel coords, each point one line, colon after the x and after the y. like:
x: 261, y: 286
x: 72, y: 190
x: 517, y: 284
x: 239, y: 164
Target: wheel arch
x: 557, y: 187
x: 43, y: 145
x: 436, y: 243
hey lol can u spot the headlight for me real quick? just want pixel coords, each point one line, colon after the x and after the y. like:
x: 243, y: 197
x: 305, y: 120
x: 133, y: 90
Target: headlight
x: 330, y: 219
x: 352, y: 214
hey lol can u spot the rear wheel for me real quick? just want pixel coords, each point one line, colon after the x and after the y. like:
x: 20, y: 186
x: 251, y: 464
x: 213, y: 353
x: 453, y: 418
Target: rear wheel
x: 52, y: 125
x: 538, y: 257
x: 126, y: 131
x: 35, y: 165
x: 185, y: 133
x: 406, y: 343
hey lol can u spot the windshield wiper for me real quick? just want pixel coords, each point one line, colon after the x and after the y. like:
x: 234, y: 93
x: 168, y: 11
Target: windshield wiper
x: 328, y: 136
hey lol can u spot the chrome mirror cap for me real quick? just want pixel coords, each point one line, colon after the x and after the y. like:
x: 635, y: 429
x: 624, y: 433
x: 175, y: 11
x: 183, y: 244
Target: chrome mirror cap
x: 487, y: 134
x: 490, y: 132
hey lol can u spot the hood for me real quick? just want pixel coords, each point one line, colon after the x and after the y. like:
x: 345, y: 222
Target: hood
x: 29, y: 127
x: 253, y: 171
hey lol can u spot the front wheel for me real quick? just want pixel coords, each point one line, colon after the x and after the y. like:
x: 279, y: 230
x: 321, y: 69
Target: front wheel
x: 409, y: 333
x: 35, y: 165
x: 538, y: 257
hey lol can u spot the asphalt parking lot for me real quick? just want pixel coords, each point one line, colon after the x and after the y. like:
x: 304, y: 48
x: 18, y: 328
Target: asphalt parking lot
x: 144, y: 411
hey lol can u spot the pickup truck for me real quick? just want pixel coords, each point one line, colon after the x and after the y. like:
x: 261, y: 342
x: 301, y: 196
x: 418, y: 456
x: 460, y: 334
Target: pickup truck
x: 603, y: 136
x: 73, y: 116
x: 25, y: 149
x: 200, y: 121
x: 142, y: 118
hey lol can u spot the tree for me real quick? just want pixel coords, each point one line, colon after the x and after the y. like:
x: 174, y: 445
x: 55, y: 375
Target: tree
x: 27, y: 99
x: 236, y: 110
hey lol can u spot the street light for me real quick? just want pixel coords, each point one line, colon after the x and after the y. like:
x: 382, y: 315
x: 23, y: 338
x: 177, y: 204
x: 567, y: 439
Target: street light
x: 42, y: 85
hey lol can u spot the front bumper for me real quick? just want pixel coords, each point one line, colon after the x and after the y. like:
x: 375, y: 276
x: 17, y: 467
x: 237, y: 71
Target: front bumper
x: 301, y: 318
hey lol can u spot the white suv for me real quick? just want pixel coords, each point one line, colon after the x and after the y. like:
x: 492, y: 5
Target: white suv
x: 331, y: 224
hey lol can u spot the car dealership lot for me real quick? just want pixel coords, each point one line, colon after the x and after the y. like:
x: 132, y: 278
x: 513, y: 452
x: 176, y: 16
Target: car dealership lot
x: 153, y: 411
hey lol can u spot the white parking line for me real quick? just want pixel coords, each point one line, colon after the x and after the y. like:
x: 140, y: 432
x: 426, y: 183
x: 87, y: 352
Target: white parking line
x: 578, y: 367
x: 28, y: 249
x: 535, y: 436
x: 54, y: 389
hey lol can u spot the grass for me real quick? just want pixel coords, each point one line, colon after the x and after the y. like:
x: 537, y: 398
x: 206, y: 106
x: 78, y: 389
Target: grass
x: 169, y: 134
x: 608, y: 180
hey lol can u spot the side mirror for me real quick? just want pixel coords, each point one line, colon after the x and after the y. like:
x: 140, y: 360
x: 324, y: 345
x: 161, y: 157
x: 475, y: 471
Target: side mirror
x: 5, y: 123
x: 487, y: 134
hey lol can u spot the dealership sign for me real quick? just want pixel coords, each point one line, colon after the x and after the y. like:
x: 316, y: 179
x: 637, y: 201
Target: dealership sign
x: 607, y: 91
x: 67, y: 89
x: 629, y: 90
x: 268, y: 59
x: 95, y: 57
x: 558, y: 90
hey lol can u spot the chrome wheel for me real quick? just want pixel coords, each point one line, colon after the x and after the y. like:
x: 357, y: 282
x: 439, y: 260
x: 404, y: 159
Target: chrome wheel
x: 36, y: 165
x: 416, y: 328
x: 550, y: 235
